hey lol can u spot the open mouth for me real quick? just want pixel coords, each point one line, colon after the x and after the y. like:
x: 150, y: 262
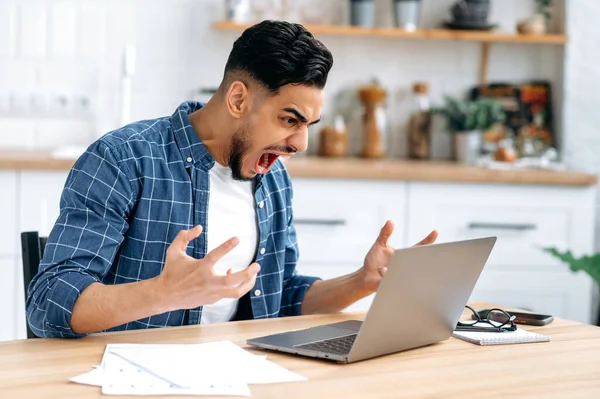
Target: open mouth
x: 265, y: 162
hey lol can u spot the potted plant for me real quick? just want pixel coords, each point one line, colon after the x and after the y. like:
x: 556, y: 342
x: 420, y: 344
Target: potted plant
x: 589, y: 264
x: 466, y: 120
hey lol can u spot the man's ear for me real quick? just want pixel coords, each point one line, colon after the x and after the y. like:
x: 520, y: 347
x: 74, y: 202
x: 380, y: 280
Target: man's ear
x: 238, y: 99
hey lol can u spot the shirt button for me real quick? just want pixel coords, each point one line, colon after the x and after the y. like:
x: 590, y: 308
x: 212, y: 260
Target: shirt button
x: 262, y: 251
x: 261, y: 204
x: 189, y: 159
x: 257, y: 293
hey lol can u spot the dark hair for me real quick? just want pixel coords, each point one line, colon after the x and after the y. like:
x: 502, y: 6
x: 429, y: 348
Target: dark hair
x: 277, y: 53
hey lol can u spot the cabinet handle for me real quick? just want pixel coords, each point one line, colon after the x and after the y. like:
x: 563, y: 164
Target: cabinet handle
x: 321, y: 222
x: 502, y: 226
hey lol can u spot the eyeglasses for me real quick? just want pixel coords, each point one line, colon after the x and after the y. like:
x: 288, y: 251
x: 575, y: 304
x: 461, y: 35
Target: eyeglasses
x: 497, y: 319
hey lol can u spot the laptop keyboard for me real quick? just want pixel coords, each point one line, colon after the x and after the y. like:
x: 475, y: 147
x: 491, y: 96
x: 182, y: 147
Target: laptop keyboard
x: 337, y: 346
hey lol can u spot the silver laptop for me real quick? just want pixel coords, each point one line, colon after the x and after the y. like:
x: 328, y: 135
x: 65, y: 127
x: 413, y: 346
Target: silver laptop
x: 419, y: 302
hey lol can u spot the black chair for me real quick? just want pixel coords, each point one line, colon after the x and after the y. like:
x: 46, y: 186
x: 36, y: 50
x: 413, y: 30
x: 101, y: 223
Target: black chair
x: 32, y: 249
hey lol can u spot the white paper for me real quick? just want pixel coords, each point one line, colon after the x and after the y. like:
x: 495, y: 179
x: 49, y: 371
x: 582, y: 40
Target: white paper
x: 122, y: 378
x: 266, y: 372
x: 216, y: 368
x: 221, y: 361
x: 94, y: 378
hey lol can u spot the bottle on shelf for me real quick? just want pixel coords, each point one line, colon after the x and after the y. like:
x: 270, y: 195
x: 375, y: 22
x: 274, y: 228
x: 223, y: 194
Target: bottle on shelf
x: 374, y: 121
x: 334, y: 139
x: 419, y: 127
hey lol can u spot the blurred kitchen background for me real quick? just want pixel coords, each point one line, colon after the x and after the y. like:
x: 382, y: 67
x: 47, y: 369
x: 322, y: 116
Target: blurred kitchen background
x: 72, y: 70
x: 62, y: 61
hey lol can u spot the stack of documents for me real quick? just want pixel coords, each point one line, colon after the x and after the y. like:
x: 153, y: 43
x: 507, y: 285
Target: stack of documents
x: 216, y: 368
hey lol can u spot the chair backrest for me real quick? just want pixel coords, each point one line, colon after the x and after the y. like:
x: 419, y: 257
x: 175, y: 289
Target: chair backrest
x: 32, y: 250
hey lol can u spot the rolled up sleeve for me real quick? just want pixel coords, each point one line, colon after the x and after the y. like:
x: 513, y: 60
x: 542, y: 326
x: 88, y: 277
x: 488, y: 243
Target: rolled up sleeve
x: 94, y: 208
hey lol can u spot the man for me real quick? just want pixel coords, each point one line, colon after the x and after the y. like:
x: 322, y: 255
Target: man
x: 188, y: 219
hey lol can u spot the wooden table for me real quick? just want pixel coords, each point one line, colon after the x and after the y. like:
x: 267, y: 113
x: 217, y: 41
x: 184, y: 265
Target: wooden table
x: 566, y: 367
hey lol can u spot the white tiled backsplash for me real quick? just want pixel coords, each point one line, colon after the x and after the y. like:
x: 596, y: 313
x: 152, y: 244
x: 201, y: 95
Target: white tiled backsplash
x: 56, y: 49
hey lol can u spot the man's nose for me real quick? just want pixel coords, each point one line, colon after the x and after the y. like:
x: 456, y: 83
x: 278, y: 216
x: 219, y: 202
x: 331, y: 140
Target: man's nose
x: 299, y: 140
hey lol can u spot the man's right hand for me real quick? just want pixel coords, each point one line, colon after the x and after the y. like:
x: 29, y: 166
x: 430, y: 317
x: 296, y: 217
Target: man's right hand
x: 186, y: 282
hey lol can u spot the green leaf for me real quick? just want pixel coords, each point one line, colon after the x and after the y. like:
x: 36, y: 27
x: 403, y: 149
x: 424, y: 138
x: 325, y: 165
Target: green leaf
x: 471, y: 115
x: 588, y: 264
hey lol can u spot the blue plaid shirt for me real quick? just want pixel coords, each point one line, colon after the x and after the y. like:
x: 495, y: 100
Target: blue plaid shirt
x: 123, y: 203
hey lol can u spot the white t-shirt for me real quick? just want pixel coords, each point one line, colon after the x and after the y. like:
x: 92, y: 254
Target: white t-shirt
x: 231, y: 212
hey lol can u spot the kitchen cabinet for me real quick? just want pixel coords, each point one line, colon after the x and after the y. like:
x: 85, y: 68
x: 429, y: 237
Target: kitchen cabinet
x: 524, y: 218
x: 9, y: 250
x: 9, y: 308
x: 29, y: 202
x: 8, y: 204
x: 559, y: 293
x: 338, y: 219
x: 343, y: 219
x: 337, y: 223
x: 39, y: 200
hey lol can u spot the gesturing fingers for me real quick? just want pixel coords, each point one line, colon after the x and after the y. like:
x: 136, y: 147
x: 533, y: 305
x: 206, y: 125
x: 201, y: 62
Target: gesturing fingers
x: 222, y: 250
x: 240, y: 290
x: 233, y: 279
x: 183, y: 238
x: 430, y: 239
x: 385, y: 233
x: 235, y: 285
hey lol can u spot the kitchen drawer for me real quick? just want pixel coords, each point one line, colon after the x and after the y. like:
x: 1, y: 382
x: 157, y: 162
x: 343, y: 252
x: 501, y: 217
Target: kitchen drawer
x: 561, y: 294
x: 523, y: 218
x: 338, y: 221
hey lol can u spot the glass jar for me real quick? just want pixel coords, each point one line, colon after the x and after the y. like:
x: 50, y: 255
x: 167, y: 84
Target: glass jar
x: 419, y: 127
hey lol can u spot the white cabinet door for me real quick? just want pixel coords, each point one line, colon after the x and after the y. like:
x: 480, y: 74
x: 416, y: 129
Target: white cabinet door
x: 553, y: 293
x: 338, y: 221
x: 9, y: 240
x: 10, y: 312
x: 524, y: 219
x: 10, y: 268
x: 39, y: 200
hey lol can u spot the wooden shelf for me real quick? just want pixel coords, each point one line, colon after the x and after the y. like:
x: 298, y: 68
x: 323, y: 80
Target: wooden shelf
x: 431, y: 34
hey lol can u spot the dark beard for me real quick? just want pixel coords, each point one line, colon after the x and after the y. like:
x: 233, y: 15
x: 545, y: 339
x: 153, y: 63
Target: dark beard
x: 239, y: 145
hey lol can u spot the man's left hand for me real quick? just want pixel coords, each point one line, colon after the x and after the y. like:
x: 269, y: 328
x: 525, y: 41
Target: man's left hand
x: 380, y: 254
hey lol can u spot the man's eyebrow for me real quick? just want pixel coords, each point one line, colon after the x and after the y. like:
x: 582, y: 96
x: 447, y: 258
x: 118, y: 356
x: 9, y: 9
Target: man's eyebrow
x: 300, y: 117
x: 294, y: 111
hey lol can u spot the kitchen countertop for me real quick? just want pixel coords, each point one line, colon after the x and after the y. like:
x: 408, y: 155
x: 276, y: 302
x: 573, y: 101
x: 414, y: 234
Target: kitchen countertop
x: 32, y: 160
x: 432, y: 171
x: 353, y: 168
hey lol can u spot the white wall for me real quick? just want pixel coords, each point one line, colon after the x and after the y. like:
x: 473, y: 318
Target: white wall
x: 581, y: 87
x: 74, y: 47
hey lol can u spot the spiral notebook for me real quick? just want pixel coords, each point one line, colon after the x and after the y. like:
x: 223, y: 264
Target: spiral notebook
x: 518, y: 336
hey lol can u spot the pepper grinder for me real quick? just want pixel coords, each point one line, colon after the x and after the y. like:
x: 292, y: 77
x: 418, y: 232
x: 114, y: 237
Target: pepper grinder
x: 372, y: 96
